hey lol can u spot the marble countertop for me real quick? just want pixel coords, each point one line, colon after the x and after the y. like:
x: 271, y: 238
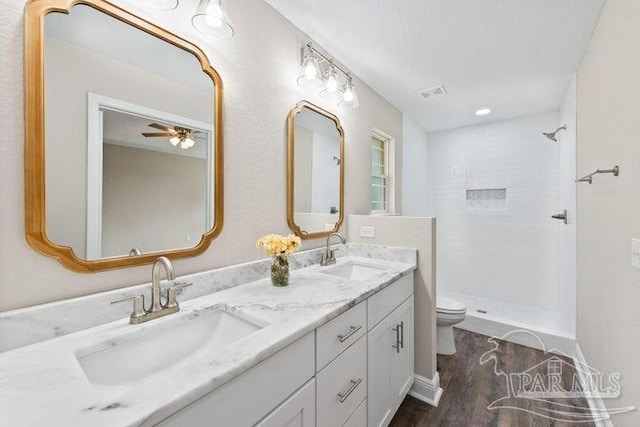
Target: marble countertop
x: 43, y: 383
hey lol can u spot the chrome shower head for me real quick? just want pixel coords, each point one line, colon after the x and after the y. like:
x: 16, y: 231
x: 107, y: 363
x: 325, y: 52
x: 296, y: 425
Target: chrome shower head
x: 552, y: 135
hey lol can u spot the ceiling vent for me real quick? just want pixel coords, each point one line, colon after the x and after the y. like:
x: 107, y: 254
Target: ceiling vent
x: 433, y: 92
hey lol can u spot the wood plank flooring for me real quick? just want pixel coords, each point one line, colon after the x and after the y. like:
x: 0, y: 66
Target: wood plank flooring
x: 470, y: 387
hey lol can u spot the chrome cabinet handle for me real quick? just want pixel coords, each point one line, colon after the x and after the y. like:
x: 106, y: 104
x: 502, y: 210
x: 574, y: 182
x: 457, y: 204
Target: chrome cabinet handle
x: 402, y: 334
x: 354, y: 384
x: 138, y: 305
x: 397, y: 331
x: 353, y: 330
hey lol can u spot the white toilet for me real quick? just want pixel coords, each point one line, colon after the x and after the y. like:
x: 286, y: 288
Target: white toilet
x: 448, y: 313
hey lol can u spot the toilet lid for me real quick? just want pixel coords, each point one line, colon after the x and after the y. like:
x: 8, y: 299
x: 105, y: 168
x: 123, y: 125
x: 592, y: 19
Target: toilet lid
x: 449, y: 305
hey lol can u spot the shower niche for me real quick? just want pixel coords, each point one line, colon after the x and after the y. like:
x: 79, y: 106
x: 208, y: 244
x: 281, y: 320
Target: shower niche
x: 491, y: 198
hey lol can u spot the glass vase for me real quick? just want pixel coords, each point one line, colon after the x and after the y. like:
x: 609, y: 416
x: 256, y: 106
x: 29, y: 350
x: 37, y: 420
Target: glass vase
x: 279, y: 271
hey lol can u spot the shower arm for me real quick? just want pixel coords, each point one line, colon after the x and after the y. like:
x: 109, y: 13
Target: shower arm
x: 589, y: 178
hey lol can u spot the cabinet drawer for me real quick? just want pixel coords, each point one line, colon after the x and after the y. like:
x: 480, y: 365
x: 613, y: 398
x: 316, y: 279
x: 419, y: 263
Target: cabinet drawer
x: 342, y: 386
x: 249, y: 397
x: 334, y: 337
x: 359, y: 418
x: 297, y: 411
x: 385, y: 301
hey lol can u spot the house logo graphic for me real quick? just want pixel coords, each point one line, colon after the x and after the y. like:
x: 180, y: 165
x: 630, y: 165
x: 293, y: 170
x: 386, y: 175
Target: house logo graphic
x: 554, y: 388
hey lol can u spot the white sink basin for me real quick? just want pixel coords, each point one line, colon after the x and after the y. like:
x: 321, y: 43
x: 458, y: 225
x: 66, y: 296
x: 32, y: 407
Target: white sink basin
x: 154, y: 348
x: 354, y: 270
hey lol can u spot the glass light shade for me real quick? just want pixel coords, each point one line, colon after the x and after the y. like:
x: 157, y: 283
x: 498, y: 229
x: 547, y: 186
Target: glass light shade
x: 174, y: 140
x: 350, y: 97
x: 212, y: 20
x: 161, y: 4
x: 331, y: 89
x: 187, y: 143
x: 310, y: 74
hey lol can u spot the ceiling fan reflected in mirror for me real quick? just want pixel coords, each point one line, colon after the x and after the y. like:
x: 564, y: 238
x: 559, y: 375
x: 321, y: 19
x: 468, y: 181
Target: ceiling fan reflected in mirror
x: 177, y: 135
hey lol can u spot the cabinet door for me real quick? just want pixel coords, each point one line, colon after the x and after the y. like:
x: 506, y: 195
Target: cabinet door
x: 379, y: 396
x: 402, y: 357
x: 297, y: 411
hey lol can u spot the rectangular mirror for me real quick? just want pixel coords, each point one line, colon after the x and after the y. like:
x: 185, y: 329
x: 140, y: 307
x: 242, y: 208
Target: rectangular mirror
x: 124, y: 138
x: 315, y: 171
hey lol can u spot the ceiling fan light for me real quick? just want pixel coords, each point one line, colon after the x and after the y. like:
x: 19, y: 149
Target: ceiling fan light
x: 212, y: 20
x: 187, y: 143
x: 174, y: 140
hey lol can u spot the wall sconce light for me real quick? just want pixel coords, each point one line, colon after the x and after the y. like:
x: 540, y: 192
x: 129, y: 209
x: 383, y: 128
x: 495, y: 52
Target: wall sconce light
x: 212, y: 20
x: 312, y: 75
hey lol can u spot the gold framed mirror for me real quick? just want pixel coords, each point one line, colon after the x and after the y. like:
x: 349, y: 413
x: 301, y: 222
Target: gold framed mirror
x: 123, y: 138
x: 315, y: 171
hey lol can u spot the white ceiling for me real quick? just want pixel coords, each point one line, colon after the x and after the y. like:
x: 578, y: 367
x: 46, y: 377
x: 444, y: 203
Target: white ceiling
x: 513, y: 56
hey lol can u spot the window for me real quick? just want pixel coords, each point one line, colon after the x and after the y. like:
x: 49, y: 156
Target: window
x: 381, y: 173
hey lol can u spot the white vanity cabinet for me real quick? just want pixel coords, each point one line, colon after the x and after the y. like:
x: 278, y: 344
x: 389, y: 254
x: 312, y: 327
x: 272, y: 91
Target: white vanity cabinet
x: 247, y: 399
x: 390, y: 351
x: 353, y: 371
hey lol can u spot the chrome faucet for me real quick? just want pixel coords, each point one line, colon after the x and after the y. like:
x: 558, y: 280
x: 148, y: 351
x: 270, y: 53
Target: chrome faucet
x: 329, y: 257
x: 156, y: 308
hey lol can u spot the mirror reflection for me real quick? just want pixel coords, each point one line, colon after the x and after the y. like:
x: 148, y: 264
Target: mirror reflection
x: 317, y: 166
x: 128, y: 139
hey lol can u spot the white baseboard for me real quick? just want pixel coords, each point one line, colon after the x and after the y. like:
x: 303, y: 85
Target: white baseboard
x: 596, y: 404
x: 426, y: 390
x: 551, y: 341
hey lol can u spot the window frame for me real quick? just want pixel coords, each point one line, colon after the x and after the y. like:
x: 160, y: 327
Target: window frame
x: 387, y: 176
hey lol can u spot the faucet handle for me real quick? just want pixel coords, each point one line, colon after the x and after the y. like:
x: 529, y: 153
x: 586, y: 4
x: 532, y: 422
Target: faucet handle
x: 138, y: 305
x: 172, y: 292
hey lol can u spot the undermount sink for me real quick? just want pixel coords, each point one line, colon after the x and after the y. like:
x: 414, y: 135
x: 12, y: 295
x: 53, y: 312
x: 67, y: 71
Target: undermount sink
x: 354, y: 270
x: 156, y: 348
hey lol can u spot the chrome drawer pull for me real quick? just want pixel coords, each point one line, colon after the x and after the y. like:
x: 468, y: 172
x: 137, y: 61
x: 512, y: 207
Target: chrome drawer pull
x: 352, y: 331
x: 397, y: 331
x: 402, y: 334
x: 354, y: 384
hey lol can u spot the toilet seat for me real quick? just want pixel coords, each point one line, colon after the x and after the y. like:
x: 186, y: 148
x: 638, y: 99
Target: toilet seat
x: 446, y: 305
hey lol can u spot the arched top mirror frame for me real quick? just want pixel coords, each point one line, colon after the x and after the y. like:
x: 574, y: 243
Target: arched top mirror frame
x: 34, y: 93
x: 291, y: 124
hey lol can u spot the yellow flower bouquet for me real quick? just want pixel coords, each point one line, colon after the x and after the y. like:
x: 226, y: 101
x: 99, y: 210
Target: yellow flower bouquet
x: 279, y: 247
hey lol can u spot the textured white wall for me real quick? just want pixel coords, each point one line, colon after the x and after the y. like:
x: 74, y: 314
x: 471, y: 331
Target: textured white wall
x: 508, y: 254
x: 415, y: 191
x: 608, y: 88
x: 259, y: 67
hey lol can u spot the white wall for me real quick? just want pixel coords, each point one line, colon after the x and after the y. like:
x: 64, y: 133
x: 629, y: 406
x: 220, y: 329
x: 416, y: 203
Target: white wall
x: 325, y: 180
x: 608, y: 89
x: 418, y: 233
x: 150, y: 200
x: 415, y: 191
x: 567, y: 188
x: 509, y: 254
x: 258, y: 66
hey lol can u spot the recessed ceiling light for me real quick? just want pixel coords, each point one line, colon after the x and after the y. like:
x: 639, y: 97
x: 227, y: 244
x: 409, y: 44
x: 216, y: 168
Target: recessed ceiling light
x: 483, y: 112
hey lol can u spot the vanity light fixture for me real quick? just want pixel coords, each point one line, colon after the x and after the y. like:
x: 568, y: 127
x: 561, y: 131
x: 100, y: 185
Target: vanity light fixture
x: 212, y: 20
x: 350, y: 98
x: 310, y: 72
x: 319, y: 70
x: 332, y: 90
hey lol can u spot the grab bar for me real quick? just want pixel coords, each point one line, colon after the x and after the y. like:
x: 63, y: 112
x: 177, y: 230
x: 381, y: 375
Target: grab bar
x: 589, y: 178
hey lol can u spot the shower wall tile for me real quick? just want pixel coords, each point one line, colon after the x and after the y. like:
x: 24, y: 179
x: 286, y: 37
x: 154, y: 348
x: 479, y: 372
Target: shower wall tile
x: 507, y: 254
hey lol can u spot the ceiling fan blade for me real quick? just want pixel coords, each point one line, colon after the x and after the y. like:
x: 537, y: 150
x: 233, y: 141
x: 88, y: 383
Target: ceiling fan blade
x: 156, y: 134
x: 161, y: 127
